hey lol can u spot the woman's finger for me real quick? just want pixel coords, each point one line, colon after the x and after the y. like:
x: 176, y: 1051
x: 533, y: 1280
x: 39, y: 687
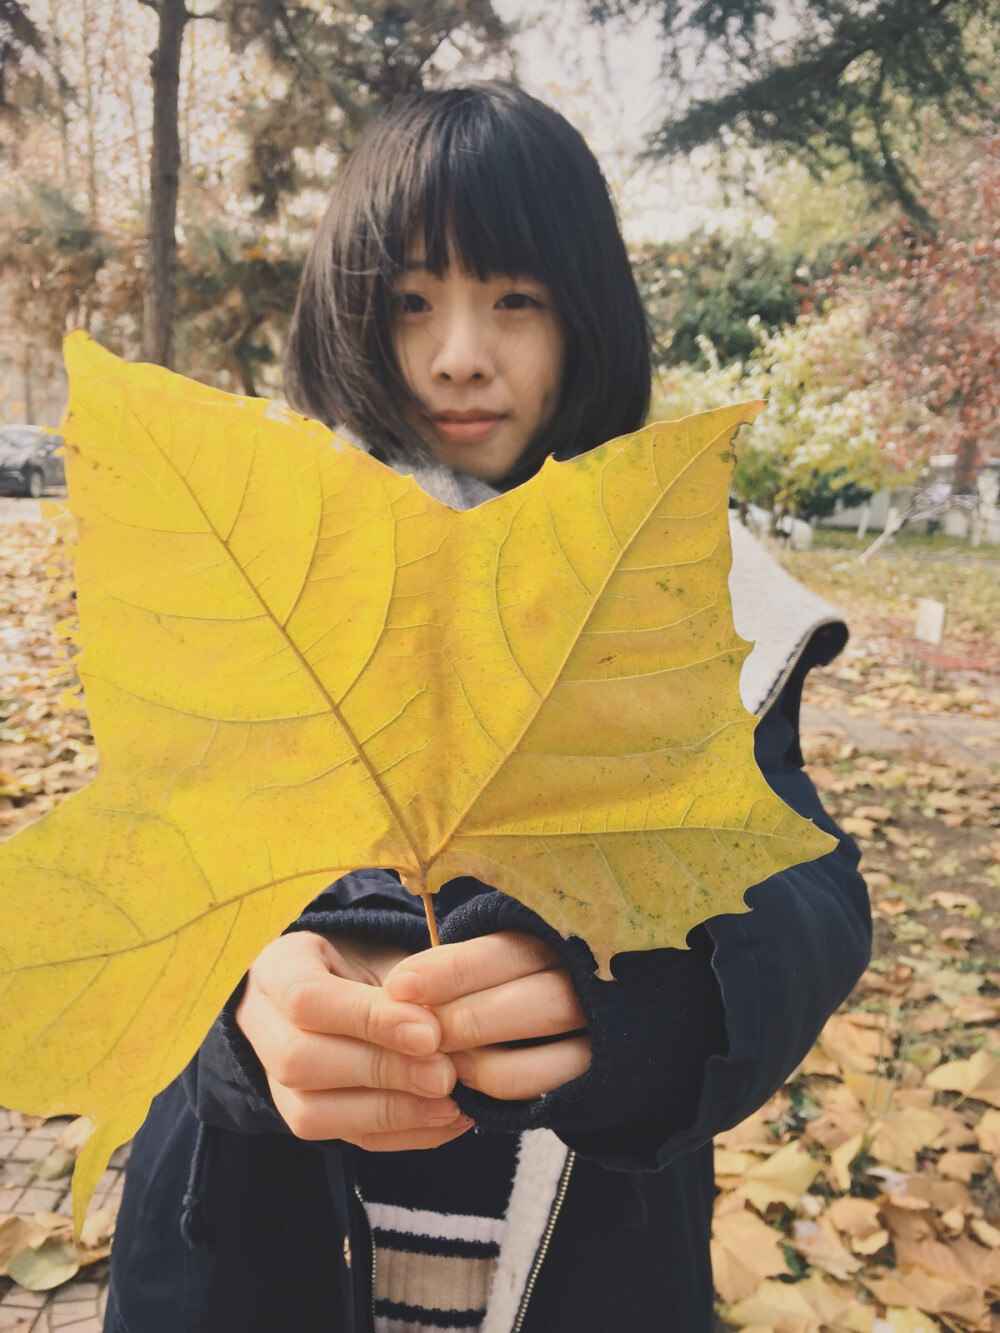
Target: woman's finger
x: 293, y: 977
x: 440, y: 975
x: 527, y: 1072
x: 309, y: 1062
x: 541, y: 1005
x: 355, y: 1113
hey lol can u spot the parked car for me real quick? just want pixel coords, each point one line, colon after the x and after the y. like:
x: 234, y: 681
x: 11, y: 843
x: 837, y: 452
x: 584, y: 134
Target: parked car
x: 29, y: 464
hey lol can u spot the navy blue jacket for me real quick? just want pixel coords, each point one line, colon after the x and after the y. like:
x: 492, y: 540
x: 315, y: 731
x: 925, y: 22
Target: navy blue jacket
x: 230, y: 1224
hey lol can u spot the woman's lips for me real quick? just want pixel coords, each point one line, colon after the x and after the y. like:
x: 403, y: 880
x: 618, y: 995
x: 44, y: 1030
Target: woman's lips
x: 467, y: 427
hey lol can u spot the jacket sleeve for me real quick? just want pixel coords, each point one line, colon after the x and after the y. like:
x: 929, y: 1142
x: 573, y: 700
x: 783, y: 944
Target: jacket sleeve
x: 688, y: 1043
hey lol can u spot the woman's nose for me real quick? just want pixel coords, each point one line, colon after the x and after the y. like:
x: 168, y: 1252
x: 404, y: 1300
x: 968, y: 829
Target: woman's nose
x: 463, y: 352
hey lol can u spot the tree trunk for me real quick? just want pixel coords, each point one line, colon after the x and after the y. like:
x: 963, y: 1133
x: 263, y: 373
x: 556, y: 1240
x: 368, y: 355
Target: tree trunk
x: 90, y: 112
x: 966, y: 460
x: 164, y: 169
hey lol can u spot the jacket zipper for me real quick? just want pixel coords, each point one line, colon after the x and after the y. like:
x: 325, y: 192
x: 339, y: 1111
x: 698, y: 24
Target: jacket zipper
x: 543, y: 1248
x: 371, y: 1247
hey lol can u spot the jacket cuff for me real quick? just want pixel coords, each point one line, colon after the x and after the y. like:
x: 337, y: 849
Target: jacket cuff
x: 377, y: 926
x: 652, y: 1031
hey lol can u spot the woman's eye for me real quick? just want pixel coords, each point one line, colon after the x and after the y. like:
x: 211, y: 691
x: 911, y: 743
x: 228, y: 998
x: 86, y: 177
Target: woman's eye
x: 517, y: 301
x: 410, y: 303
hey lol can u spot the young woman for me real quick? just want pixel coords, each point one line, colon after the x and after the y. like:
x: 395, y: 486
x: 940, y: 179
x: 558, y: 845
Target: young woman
x: 467, y: 309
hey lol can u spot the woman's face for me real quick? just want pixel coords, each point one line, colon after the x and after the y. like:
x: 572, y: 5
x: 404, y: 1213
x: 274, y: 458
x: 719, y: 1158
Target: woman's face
x: 484, y: 360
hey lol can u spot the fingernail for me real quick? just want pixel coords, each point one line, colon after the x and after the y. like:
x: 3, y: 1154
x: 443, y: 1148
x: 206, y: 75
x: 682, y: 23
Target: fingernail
x: 419, y: 1038
x: 406, y: 986
x: 441, y: 1111
x: 464, y: 1065
x: 430, y: 1079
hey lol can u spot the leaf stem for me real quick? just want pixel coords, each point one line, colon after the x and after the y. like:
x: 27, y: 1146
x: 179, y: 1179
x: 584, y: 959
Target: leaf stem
x: 432, y: 924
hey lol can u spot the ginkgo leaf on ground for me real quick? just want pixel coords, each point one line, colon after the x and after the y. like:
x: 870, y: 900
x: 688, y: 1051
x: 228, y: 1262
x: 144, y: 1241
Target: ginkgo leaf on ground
x: 782, y: 1178
x: 817, y: 1241
x: 297, y: 663
x: 978, y: 1078
x: 812, y: 1305
x: 744, y: 1251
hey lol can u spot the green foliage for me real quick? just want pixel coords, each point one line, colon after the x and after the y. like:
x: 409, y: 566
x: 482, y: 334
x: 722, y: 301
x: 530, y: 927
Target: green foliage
x: 235, y: 299
x: 28, y: 75
x: 709, y: 286
x: 822, y: 439
x: 50, y: 256
x: 849, y: 85
x: 824, y: 220
x: 339, y: 66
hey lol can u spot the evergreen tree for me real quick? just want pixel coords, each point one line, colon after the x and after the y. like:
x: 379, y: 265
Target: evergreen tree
x: 826, y: 80
x: 340, y: 66
x: 725, y: 290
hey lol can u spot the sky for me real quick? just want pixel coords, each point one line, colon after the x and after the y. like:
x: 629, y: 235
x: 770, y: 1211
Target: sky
x: 607, y: 82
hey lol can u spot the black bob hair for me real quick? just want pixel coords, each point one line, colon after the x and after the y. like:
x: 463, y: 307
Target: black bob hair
x: 500, y: 184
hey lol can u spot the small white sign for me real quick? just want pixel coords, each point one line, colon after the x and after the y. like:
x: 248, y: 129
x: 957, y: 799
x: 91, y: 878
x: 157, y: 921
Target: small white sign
x: 930, y: 621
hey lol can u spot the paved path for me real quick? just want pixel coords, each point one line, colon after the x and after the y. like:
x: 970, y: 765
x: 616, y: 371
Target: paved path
x: 957, y: 735
x: 19, y: 509
x: 78, y: 1306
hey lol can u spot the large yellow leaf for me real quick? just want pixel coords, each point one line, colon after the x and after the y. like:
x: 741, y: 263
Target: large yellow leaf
x: 297, y: 663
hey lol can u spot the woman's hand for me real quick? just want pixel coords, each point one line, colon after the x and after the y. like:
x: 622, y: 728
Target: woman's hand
x: 343, y: 1058
x: 499, y: 988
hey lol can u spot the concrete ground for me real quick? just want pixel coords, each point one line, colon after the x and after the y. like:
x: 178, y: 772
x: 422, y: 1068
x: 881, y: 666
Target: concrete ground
x: 19, y: 509
x: 956, y: 736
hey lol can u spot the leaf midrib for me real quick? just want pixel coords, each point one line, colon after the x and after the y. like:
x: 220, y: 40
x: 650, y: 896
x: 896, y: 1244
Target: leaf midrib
x: 283, y: 633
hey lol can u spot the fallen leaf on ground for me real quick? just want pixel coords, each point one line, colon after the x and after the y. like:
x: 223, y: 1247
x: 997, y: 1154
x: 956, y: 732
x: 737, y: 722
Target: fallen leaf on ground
x: 988, y: 1132
x: 955, y: 902
x: 809, y: 1305
x: 818, y: 1243
x: 962, y: 1166
x: 854, y: 1044
x: 857, y: 1219
x: 754, y: 1133
x: 873, y: 1091
x: 977, y: 1009
x: 783, y: 1178
x: 76, y: 1134
x: 902, y: 1134
x: 14, y: 1236
x: 42, y: 1269
x: 904, y: 1321
x: 931, y: 1294
x: 729, y: 1163
x: 841, y: 1160
x: 977, y: 1078
x: 54, y: 1165
x: 744, y: 1250
x: 947, y: 983
x: 985, y: 1232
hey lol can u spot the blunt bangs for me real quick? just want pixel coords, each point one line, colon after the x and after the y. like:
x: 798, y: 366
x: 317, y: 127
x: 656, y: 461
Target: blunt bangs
x: 473, y: 192
x: 493, y: 181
